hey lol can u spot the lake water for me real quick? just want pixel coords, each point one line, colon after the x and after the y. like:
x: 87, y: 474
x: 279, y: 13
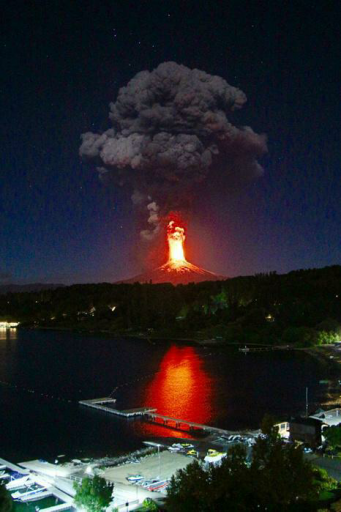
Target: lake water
x: 43, y: 374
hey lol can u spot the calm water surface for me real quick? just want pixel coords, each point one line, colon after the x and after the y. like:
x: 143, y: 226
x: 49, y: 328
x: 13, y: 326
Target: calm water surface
x: 43, y: 374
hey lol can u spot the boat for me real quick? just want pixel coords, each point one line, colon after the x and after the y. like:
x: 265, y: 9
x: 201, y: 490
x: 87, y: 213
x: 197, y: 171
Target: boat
x: 134, y: 478
x: 214, y: 457
x: 176, y: 447
x: 19, y: 483
x: 156, y: 486
x: 245, y: 349
x: 33, y: 495
x: 4, y: 475
x: 192, y: 452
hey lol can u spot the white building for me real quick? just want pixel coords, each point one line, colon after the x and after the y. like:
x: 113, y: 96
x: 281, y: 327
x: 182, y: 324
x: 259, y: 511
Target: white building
x: 9, y: 325
x: 283, y: 429
x: 328, y: 418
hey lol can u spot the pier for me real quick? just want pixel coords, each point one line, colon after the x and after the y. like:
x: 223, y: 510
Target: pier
x: 192, y: 427
x: 107, y: 405
x: 247, y: 349
x: 150, y: 414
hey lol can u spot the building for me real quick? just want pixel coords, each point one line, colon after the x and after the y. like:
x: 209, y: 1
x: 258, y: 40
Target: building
x: 329, y: 418
x: 8, y: 325
x: 306, y: 430
x: 283, y: 429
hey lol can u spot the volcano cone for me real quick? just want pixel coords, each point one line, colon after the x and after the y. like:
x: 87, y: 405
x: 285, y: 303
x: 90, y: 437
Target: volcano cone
x: 176, y: 273
x: 177, y: 270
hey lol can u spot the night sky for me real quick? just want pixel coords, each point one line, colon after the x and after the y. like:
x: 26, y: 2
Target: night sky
x: 62, y: 63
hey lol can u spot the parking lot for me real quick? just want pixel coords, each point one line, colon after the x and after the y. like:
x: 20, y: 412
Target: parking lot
x: 161, y: 466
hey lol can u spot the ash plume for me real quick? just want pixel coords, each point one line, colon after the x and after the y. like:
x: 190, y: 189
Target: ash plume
x: 170, y: 130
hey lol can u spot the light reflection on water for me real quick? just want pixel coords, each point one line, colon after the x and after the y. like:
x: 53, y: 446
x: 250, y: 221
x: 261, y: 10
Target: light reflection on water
x: 8, y: 334
x: 180, y: 389
x: 40, y: 372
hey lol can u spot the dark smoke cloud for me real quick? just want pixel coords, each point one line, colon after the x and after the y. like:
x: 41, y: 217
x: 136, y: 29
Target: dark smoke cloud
x: 170, y: 128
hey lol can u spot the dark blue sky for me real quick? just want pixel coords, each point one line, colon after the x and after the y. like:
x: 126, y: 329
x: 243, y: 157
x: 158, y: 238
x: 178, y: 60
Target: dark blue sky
x: 62, y: 63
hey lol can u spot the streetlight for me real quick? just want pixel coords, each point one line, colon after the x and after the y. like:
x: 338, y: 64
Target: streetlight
x: 150, y: 443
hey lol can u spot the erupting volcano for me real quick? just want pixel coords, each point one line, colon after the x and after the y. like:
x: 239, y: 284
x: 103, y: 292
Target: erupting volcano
x: 170, y: 133
x: 177, y: 270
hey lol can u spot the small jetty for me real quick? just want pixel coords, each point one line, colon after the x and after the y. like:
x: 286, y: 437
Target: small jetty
x: 269, y: 348
x: 106, y: 404
x: 150, y: 414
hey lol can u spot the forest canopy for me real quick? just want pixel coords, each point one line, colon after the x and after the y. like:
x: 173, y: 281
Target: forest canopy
x: 302, y: 307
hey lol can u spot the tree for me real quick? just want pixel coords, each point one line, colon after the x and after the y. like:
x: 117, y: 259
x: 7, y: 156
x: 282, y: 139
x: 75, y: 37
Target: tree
x: 6, y: 503
x: 283, y: 476
x: 277, y: 478
x: 189, y: 490
x: 93, y: 494
x: 333, y: 435
x: 324, y: 481
x: 267, y: 426
x: 149, y: 505
x: 329, y: 325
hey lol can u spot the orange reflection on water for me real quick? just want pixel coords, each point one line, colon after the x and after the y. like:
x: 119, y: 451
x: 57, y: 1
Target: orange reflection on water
x: 180, y: 389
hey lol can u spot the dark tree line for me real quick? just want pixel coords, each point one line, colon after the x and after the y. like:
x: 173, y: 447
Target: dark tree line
x: 303, y: 307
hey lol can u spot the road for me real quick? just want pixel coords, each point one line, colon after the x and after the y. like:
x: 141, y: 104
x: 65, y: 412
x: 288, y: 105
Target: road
x: 333, y: 466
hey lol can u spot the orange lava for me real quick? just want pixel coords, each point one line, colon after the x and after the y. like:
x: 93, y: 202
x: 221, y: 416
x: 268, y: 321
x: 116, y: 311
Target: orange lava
x: 181, y: 389
x: 177, y: 270
x: 176, y: 237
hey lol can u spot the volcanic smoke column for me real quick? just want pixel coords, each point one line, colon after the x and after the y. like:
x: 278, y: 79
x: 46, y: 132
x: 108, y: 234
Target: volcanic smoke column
x: 170, y: 130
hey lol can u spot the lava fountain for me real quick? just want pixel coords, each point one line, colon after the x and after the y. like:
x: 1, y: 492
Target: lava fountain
x: 176, y: 238
x: 177, y: 270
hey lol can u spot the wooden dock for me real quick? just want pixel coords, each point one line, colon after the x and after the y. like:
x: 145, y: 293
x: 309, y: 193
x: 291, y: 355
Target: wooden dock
x: 178, y: 424
x: 150, y: 414
x: 248, y: 350
x: 98, y: 403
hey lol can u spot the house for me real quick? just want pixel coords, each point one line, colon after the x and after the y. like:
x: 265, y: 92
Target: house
x: 306, y: 430
x: 330, y: 418
x: 283, y: 429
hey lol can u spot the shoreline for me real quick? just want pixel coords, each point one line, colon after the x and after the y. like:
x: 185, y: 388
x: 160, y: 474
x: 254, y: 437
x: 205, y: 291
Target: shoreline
x: 150, y: 339
x: 330, y: 355
x: 153, y: 339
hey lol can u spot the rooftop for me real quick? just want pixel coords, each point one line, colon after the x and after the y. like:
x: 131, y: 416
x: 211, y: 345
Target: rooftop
x: 331, y: 417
